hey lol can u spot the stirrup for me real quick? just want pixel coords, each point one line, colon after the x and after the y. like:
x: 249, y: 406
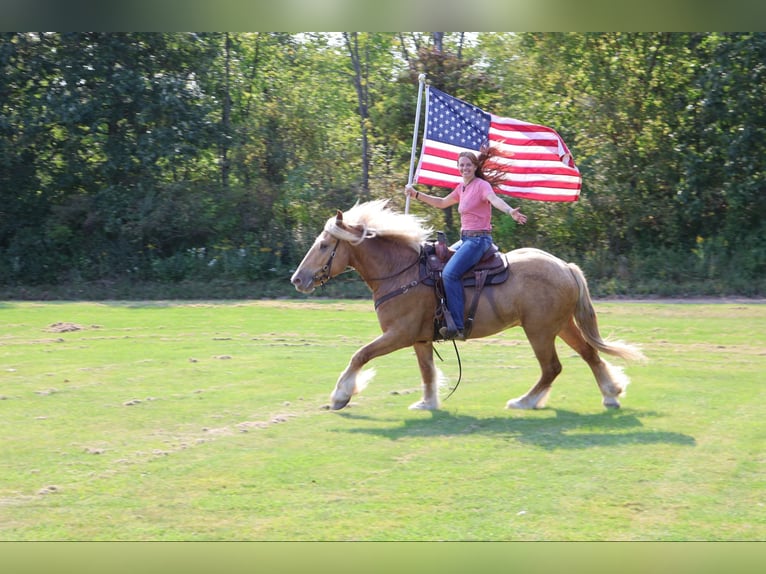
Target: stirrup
x: 452, y: 334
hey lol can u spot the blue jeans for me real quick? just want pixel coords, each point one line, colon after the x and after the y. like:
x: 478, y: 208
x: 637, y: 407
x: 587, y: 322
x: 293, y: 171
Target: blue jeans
x: 469, y: 252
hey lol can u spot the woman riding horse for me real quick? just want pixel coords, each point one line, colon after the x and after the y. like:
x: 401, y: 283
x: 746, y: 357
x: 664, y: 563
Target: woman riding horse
x: 475, y: 198
x: 545, y: 296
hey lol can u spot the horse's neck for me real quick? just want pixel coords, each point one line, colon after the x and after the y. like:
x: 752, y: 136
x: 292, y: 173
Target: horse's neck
x: 381, y: 260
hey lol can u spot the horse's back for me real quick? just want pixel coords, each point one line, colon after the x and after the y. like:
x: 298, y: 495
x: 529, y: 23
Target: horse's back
x: 536, y: 274
x: 534, y: 255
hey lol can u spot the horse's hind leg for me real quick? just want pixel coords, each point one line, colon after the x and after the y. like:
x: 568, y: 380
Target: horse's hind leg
x: 430, y: 376
x: 611, y: 380
x: 544, y: 347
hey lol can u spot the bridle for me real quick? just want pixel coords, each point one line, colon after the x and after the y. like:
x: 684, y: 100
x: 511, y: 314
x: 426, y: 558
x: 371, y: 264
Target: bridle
x: 323, y: 275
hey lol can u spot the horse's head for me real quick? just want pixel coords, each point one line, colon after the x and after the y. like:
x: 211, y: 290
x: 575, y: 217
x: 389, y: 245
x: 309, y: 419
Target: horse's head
x: 327, y: 258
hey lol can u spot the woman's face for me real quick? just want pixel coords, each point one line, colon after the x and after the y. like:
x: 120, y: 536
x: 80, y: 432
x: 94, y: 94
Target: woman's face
x: 466, y: 167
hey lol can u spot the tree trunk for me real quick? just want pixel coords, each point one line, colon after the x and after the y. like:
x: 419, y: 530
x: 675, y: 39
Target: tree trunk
x: 360, y: 83
x: 226, y: 118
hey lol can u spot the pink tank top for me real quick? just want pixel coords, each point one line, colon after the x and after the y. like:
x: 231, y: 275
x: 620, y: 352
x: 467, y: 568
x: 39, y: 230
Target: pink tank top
x: 475, y: 210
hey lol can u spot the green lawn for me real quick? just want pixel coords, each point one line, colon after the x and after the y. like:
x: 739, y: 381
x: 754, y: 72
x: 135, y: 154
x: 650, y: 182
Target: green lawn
x: 196, y: 421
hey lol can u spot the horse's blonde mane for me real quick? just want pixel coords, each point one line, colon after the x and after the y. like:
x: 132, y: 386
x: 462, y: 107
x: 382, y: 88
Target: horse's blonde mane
x: 376, y: 219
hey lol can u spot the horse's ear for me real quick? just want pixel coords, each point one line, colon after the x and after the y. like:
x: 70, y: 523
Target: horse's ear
x: 339, y: 217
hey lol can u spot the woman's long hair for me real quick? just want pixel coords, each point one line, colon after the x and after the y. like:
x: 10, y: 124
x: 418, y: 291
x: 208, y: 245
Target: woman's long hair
x: 488, y: 164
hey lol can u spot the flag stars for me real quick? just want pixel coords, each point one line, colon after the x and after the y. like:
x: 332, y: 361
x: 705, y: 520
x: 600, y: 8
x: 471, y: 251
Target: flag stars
x: 455, y: 122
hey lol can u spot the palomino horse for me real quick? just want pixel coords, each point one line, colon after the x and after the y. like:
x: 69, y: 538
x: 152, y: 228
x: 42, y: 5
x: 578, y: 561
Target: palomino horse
x: 544, y: 295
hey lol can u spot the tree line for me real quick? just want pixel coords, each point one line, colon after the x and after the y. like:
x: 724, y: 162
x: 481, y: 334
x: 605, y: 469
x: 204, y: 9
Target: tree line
x: 173, y: 157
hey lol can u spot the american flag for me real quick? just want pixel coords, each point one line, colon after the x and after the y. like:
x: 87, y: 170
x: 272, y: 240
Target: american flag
x: 535, y: 159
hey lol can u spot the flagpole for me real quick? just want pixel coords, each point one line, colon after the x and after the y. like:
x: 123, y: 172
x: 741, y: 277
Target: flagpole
x: 421, y: 83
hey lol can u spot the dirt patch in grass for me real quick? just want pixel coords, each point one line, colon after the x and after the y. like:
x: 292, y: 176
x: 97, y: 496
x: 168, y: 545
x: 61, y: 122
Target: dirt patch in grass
x: 64, y: 327
x: 68, y: 327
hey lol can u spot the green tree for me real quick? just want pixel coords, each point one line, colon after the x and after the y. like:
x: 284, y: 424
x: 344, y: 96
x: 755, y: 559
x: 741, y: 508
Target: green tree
x: 124, y: 119
x: 26, y: 148
x: 721, y: 193
x: 176, y: 156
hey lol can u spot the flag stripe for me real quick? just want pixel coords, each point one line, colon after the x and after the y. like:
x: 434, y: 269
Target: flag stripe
x: 535, y: 158
x: 447, y: 168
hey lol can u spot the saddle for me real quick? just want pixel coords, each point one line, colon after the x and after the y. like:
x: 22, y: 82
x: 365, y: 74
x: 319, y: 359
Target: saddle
x: 492, y: 269
x: 437, y: 253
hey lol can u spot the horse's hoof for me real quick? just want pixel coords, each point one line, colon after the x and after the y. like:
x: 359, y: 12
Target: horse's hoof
x: 516, y: 404
x: 611, y: 403
x: 337, y: 405
x: 423, y: 406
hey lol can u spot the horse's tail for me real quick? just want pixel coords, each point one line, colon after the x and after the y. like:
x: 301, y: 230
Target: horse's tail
x: 585, y: 316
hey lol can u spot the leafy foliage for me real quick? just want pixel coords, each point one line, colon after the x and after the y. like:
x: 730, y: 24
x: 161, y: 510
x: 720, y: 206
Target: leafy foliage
x: 127, y: 155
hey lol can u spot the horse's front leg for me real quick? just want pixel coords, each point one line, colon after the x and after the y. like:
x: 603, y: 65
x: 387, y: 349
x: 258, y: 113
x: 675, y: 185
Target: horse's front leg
x: 352, y: 380
x: 430, y: 375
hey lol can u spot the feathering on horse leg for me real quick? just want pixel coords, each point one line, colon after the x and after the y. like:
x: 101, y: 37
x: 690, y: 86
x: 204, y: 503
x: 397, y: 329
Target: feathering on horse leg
x: 610, y: 379
x: 430, y: 400
x: 574, y: 337
x: 613, y: 383
x: 537, y: 396
x: 431, y: 378
x: 353, y: 380
x: 533, y: 399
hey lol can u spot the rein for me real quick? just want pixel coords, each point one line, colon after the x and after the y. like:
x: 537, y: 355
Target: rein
x: 459, y: 369
x: 410, y: 266
x: 404, y: 288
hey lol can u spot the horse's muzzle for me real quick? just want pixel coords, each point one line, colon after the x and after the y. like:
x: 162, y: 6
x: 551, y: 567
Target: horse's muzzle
x: 302, y: 283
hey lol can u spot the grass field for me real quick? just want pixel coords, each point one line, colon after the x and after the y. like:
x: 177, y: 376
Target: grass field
x: 194, y: 421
